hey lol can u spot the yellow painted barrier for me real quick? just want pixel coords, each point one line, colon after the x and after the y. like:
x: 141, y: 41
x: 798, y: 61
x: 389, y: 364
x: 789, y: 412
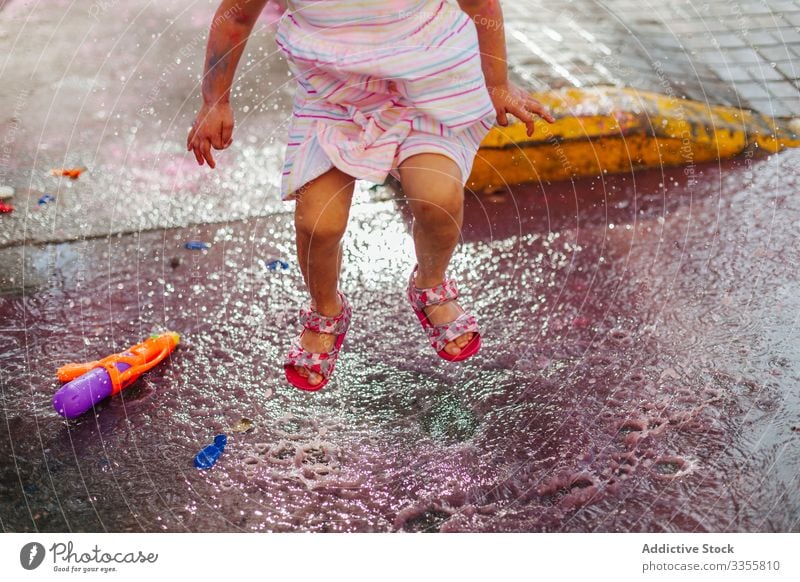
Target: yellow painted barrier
x: 614, y: 130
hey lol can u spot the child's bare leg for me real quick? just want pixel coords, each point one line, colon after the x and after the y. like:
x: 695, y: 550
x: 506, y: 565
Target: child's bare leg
x: 432, y: 184
x: 320, y: 219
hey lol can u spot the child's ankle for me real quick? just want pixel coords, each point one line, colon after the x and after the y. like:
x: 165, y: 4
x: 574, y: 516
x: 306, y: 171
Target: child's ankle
x: 421, y: 283
x: 331, y: 309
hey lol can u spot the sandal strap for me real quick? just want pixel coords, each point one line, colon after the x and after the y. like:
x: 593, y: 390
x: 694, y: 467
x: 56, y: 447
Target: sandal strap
x: 441, y: 293
x: 321, y: 363
x: 440, y: 335
x: 315, y: 321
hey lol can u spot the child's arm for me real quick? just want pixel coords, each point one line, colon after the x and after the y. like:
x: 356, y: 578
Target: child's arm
x: 230, y: 29
x: 507, y: 97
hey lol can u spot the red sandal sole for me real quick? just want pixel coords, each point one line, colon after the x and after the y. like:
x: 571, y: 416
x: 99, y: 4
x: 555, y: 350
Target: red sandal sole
x: 301, y: 382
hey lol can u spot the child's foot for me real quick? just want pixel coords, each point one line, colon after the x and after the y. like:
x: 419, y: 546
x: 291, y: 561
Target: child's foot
x: 318, y: 343
x: 445, y: 313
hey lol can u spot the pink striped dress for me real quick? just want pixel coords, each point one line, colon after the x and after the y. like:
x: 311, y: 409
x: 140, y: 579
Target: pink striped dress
x: 379, y: 81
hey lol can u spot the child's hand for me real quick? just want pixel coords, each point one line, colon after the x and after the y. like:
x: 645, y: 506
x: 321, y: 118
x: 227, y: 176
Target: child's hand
x: 212, y: 128
x: 508, y: 98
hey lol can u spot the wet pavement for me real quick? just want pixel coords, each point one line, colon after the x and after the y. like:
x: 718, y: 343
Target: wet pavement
x: 640, y: 369
x: 85, y: 87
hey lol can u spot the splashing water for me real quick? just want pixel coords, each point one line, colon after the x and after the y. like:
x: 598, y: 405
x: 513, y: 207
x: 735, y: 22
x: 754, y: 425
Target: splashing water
x: 637, y: 372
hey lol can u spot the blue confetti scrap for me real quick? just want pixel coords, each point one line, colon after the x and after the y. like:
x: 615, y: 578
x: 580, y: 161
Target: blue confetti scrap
x: 206, y: 458
x: 273, y: 265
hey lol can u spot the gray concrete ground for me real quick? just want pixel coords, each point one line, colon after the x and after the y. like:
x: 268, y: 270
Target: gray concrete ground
x: 741, y: 53
x: 113, y: 86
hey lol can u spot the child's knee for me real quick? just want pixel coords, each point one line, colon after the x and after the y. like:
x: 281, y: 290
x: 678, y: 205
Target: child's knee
x: 321, y: 227
x: 440, y: 203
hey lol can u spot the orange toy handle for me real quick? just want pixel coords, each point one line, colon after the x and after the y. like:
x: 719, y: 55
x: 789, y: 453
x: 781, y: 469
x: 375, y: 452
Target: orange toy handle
x: 141, y: 358
x: 68, y: 372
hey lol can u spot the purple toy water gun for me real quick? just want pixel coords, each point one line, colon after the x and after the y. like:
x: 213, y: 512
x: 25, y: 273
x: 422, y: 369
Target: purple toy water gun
x: 91, y: 382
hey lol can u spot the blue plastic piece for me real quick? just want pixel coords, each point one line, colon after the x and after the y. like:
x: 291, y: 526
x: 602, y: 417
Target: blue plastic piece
x: 273, y: 265
x: 45, y: 199
x: 206, y: 458
x: 196, y: 245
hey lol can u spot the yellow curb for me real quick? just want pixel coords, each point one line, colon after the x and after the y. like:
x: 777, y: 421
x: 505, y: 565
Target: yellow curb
x: 614, y: 130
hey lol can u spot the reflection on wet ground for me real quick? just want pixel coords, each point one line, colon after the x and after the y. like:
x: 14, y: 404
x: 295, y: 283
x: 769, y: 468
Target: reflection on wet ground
x: 639, y: 371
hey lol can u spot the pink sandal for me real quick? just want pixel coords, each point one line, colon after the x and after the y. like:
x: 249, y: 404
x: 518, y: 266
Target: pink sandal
x: 440, y: 335
x: 321, y: 363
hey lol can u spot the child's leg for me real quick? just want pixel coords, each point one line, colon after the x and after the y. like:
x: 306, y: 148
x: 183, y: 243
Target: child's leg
x: 432, y: 184
x: 320, y: 219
